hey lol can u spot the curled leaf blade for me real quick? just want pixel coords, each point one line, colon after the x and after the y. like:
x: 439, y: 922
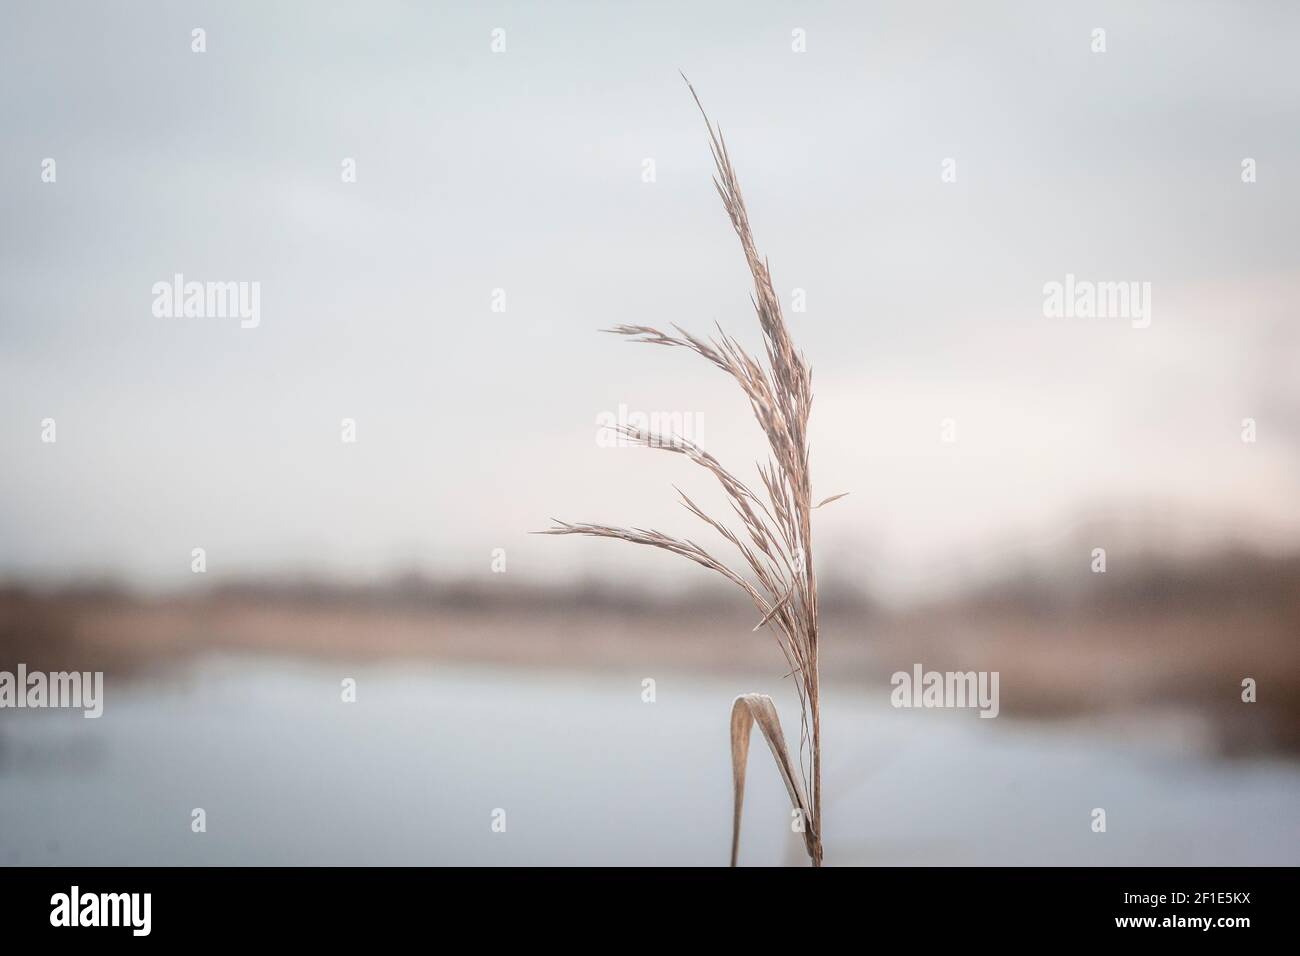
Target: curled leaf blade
x: 747, y: 710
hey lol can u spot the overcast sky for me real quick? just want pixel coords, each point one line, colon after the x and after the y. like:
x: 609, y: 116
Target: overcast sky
x: 523, y: 170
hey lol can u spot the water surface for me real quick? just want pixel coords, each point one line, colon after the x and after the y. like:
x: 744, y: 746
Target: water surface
x: 587, y: 773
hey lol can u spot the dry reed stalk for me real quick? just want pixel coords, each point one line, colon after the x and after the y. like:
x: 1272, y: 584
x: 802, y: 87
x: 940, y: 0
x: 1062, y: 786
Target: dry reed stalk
x: 776, y: 541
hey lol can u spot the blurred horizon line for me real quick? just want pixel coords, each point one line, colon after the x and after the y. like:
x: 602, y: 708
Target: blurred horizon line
x: 1229, y: 571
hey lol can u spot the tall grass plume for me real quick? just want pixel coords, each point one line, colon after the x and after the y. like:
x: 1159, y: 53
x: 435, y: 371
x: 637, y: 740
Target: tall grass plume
x: 773, y: 536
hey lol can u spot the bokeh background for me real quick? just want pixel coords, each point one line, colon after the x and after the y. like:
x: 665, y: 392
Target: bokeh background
x: 524, y: 171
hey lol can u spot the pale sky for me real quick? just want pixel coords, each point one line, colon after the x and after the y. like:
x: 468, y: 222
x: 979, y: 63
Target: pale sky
x: 523, y: 170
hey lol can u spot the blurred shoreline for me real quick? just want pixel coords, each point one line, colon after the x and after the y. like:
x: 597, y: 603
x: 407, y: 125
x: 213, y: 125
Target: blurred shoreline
x: 1171, y: 635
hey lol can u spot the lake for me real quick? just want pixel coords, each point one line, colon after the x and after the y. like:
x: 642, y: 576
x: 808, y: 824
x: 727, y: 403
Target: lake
x: 588, y: 773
